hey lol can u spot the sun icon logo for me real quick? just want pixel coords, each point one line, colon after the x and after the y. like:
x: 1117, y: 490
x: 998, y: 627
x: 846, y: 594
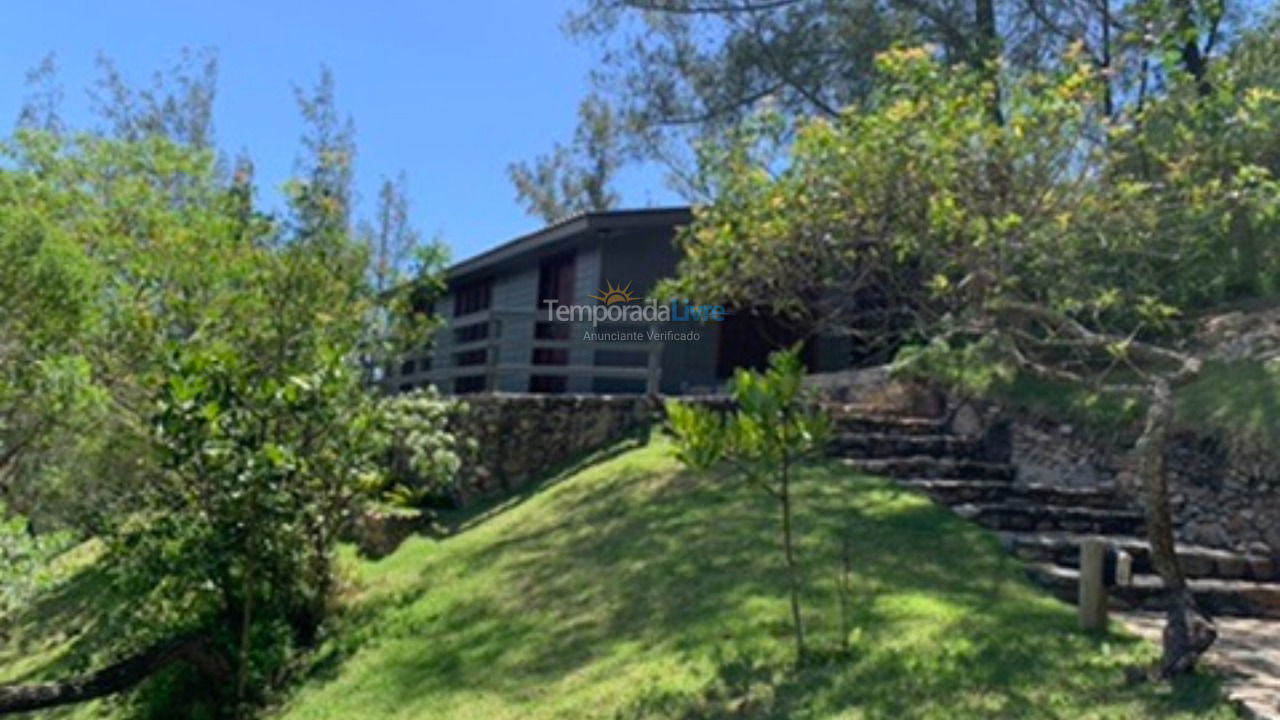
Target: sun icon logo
x: 614, y: 294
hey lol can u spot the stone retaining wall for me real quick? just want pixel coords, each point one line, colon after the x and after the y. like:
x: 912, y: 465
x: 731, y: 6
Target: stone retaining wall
x: 521, y: 437
x: 1223, y: 496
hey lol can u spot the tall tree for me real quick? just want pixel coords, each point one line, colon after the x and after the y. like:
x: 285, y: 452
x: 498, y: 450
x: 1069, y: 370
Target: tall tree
x: 177, y: 105
x: 684, y: 72
x: 42, y: 107
x: 577, y: 178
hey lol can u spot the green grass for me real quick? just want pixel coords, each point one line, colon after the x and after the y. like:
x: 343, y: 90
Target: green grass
x: 633, y: 589
x: 636, y: 590
x: 1241, y: 399
x: 62, y: 633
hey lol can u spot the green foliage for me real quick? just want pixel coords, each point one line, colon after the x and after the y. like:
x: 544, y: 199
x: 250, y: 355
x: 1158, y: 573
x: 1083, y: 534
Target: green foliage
x: 25, y: 562
x: 188, y: 377
x: 772, y: 430
x: 969, y: 225
x: 578, y: 178
x: 426, y: 455
x: 773, y: 424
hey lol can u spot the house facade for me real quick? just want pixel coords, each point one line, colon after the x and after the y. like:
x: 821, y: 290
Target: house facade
x: 565, y: 310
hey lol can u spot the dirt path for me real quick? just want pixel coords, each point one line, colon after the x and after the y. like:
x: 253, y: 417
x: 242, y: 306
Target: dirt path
x: 1247, y: 652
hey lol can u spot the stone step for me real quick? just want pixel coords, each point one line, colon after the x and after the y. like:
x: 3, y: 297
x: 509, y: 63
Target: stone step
x: 855, y: 421
x: 1197, y: 561
x: 1032, y: 516
x: 885, y: 445
x: 932, y: 467
x: 1241, y: 598
x: 955, y: 492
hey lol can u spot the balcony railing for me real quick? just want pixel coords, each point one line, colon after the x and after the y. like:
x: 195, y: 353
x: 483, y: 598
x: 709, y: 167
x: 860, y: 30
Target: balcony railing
x: 510, y: 343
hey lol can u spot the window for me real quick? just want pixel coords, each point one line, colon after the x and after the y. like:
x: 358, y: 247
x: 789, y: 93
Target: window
x: 551, y: 331
x: 469, y: 384
x: 622, y: 358
x: 555, y: 279
x: 471, y: 333
x: 471, y: 357
x: 550, y: 356
x: 618, y: 386
x: 407, y: 367
x: 406, y: 387
x: 548, y: 383
x: 473, y: 297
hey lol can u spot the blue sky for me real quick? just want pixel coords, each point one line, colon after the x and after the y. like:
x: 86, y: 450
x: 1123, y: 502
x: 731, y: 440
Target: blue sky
x: 449, y: 91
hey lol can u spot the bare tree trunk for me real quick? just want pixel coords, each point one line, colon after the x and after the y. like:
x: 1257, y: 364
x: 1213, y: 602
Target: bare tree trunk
x: 107, y: 681
x: 1188, y: 631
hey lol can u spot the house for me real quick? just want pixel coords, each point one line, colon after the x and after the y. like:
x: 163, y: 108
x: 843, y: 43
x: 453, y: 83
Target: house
x: 565, y: 310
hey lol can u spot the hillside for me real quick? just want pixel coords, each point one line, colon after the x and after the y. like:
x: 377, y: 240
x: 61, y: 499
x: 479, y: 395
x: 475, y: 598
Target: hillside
x: 634, y: 590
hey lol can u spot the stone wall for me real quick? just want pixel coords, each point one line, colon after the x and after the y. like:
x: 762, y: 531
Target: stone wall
x: 1223, y: 496
x: 877, y: 391
x: 518, y: 438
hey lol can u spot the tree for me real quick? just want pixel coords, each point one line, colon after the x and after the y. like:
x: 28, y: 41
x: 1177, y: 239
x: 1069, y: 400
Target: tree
x: 574, y: 179
x: 1070, y: 260
x: 214, y: 352
x: 682, y: 73
x: 766, y: 438
x: 178, y: 105
x: 43, y: 103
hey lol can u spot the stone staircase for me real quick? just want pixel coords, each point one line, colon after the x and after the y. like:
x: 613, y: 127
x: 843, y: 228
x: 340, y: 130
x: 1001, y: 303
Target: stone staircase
x: 1043, y: 525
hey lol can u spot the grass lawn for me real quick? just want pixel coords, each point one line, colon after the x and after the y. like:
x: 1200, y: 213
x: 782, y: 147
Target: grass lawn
x: 632, y: 589
x: 635, y: 590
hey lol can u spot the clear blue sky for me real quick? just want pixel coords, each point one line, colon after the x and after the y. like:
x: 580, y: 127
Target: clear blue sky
x: 450, y: 91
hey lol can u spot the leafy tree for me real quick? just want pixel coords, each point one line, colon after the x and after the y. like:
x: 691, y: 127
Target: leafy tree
x: 574, y: 179
x: 212, y: 356
x: 24, y: 563
x: 1074, y: 261
x: 43, y: 103
x: 48, y: 285
x: 771, y: 432
x: 682, y: 73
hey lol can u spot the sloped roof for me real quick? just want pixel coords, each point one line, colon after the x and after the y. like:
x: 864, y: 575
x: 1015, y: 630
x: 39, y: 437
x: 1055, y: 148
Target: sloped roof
x: 568, y: 228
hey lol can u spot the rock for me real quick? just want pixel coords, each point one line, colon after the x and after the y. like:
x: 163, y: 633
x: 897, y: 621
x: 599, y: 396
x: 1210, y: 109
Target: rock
x: 966, y: 421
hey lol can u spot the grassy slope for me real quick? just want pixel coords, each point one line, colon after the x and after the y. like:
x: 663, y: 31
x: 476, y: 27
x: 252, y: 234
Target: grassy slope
x: 633, y: 590
x: 62, y: 633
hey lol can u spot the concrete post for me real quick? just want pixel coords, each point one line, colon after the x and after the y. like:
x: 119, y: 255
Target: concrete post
x: 1093, y: 593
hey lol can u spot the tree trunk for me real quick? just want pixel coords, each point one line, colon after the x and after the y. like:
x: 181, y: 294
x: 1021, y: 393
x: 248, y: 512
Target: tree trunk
x: 107, y: 681
x: 1188, y: 631
x: 793, y: 575
x: 1108, y: 101
x: 986, y: 53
